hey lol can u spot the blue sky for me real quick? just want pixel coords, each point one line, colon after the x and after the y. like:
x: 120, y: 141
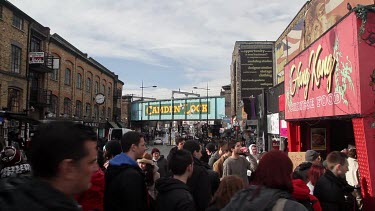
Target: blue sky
x: 171, y: 44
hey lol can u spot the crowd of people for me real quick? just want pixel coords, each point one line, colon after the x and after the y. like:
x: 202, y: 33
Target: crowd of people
x: 69, y: 169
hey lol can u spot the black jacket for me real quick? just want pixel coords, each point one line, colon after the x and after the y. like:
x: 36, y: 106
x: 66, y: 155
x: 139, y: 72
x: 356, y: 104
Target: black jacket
x: 171, y: 152
x: 213, y: 176
x: 257, y: 198
x: 28, y: 193
x: 163, y: 166
x: 173, y: 195
x: 125, y: 187
x: 331, y: 191
x: 200, y: 185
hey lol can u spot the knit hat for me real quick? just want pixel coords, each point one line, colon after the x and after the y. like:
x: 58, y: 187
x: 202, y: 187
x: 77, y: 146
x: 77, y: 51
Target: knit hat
x: 146, y: 158
x: 311, y: 155
x: 155, y: 150
x: 10, y: 156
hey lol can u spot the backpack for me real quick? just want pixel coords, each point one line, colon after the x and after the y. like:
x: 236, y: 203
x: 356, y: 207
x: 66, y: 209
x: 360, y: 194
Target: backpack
x: 309, y: 204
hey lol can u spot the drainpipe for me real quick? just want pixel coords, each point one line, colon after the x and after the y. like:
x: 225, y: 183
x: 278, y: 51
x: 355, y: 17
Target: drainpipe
x: 28, y: 70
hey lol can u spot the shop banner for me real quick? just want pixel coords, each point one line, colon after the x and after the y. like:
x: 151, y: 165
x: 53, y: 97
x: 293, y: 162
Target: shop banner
x: 323, y: 80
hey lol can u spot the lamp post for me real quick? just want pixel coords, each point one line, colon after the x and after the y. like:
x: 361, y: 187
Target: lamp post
x: 143, y: 87
x: 207, y: 89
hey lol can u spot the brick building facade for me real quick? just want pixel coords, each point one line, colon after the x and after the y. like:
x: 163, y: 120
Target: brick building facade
x: 44, y: 77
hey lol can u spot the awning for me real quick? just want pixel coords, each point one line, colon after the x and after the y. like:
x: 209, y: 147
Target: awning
x: 113, y: 124
x: 19, y: 117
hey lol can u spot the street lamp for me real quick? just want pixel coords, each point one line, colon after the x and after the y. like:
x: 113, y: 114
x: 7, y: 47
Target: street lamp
x: 207, y: 89
x: 143, y: 87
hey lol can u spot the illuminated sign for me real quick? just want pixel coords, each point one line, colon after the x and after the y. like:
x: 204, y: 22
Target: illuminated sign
x: 188, y: 108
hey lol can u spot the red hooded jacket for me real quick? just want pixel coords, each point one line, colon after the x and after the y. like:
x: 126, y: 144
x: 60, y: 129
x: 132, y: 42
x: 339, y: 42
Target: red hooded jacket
x: 301, y: 192
x: 92, y: 199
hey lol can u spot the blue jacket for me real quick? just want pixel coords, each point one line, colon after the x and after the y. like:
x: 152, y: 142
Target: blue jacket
x: 125, y: 187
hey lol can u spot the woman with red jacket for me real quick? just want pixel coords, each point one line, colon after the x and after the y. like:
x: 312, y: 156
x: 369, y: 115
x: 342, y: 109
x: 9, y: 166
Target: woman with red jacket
x: 301, y: 193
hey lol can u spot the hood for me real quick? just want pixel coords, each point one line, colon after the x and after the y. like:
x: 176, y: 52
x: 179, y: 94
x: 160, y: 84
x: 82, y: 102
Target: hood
x: 300, y: 189
x: 38, y: 192
x: 251, y: 152
x: 122, y: 159
x: 164, y: 185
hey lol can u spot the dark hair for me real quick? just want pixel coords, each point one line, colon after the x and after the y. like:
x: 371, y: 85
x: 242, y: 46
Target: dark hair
x: 232, y: 145
x: 352, y: 153
x: 335, y: 158
x: 180, y: 161
x: 56, y: 141
x: 149, y: 174
x: 274, y: 171
x: 314, y: 173
x: 192, y: 146
x: 130, y: 138
x: 221, y: 143
x: 112, y: 148
x: 228, y: 187
x: 179, y: 140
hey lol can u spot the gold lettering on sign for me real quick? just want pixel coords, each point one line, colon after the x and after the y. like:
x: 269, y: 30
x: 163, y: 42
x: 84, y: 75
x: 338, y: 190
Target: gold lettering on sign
x: 318, y: 69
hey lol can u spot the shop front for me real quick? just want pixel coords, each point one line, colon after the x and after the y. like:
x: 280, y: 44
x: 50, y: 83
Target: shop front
x: 329, y: 98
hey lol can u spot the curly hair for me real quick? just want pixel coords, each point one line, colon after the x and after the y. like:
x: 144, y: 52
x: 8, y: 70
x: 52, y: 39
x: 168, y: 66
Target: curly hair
x: 228, y: 187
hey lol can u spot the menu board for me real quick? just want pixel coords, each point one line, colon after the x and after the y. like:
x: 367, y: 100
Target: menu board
x: 256, y: 68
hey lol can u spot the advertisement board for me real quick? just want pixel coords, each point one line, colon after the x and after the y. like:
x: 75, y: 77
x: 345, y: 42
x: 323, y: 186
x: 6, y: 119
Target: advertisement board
x: 256, y: 68
x: 324, y: 79
x: 36, y: 57
x: 179, y: 109
x: 273, y: 123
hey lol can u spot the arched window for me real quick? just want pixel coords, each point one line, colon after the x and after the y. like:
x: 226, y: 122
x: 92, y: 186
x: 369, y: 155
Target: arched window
x: 109, y: 114
x: 14, y: 99
x: 79, y: 81
x: 96, y: 87
x: 109, y: 91
x: 67, y: 106
x: 78, y: 109
x: 88, y: 85
x: 88, y: 110
x: 102, y: 115
x: 55, y: 72
x: 53, y: 109
x: 96, y: 112
x: 67, y: 78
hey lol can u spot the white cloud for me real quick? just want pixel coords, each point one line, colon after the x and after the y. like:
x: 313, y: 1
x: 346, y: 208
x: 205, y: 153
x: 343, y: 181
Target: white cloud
x: 197, y: 33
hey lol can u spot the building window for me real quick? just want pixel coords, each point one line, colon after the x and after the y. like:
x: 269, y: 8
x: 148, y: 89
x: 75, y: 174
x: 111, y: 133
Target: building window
x: 54, y: 74
x: 67, y: 77
x: 109, y: 91
x: 96, y: 112
x: 78, y: 109
x: 88, y: 110
x: 17, y: 22
x: 96, y: 87
x: 54, y: 106
x: 14, y: 98
x: 102, y: 113
x: 35, y: 45
x: 16, y: 59
x: 103, y: 89
x: 109, y: 114
x: 67, y: 106
x: 79, y: 81
x: 88, y: 85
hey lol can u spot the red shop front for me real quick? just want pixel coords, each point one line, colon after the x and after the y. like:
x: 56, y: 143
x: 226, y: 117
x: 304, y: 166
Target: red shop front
x: 330, y: 96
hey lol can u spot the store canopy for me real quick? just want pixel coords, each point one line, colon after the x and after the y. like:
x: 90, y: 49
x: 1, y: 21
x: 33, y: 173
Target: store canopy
x: 19, y: 117
x: 113, y: 124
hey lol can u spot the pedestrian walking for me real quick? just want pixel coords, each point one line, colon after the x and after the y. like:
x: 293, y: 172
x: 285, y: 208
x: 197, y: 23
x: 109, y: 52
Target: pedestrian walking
x: 160, y: 161
x: 173, y: 193
x: 63, y: 158
x: 227, y: 188
x: 125, y: 187
x: 199, y: 183
x: 151, y: 175
x: 332, y: 190
x: 236, y: 164
x: 271, y: 187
